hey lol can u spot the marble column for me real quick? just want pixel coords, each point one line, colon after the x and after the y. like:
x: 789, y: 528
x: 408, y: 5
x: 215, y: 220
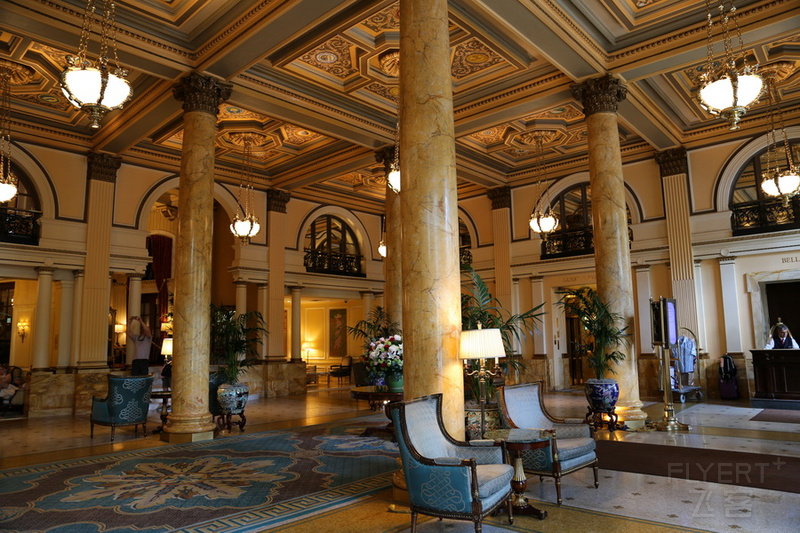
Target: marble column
x: 190, y: 419
x: 600, y: 98
x: 393, y: 238
x: 66, y: 324
x: 102, y: 177
x: 41, y: 326
x: 501, y: 232
x: 297, y: 336
x: 76, y: 318
x: 276, y: 256
x: 134, y: 309
x: 431, y: 275
x: 241, y: 297
x: 675, y: 183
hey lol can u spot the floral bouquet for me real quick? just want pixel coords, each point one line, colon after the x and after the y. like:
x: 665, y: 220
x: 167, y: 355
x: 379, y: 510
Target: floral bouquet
x: 385, y: 356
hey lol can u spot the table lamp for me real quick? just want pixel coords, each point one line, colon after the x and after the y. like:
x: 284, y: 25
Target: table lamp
x: 482, y: 344
x: 166, y: 349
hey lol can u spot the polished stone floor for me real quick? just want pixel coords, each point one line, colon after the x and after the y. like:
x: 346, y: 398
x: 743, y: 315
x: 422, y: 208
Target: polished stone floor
x: 677, y: 502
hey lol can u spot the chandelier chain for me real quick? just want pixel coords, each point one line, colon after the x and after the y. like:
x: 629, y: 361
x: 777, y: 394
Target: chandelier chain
x: 5, y: 124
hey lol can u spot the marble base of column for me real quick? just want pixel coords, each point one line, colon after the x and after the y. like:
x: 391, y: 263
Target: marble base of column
x: 631, y: 414
x: 188, y: 428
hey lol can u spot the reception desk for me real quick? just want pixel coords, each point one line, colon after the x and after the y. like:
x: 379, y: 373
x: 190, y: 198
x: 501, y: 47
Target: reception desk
x: 777, y: 377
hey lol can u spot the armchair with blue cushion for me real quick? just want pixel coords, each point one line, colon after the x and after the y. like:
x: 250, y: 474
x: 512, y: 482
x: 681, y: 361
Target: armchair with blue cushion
x: 126, y: 404
x: 447, y: 478
x: 572, y: 445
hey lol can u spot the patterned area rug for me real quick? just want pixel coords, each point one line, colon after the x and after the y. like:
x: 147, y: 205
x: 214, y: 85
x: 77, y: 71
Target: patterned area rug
x: 177, y: 487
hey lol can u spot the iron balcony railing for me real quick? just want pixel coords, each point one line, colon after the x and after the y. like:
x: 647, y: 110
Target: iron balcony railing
x: 19, y: 226
x: 324, y: 262
x: 568, y: 243
x: 764, y: 216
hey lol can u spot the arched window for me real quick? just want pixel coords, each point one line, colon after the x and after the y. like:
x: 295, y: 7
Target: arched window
x: 19, y: 217
x: 575, y: 234
x: 753, y: 211
x: 331, y: 248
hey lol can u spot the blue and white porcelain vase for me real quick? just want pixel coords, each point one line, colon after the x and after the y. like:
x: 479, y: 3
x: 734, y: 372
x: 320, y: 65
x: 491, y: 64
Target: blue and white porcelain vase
x: 232, y: 398
x: 602, y: 394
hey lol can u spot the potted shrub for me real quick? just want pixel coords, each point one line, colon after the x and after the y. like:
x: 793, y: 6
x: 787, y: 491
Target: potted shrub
x: 480, y: 308
x: 235, y: 339
x: 379, y: 333
x: 606, y: 334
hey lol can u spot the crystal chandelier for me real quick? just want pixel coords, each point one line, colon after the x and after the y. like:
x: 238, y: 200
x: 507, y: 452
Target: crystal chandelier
x: 775, y: 182
x: 8, y: 186
x: 393, y: 178
x: 542, y: 221
x: 726, y: 91
x: 95, y: 89
x: 245, y: 226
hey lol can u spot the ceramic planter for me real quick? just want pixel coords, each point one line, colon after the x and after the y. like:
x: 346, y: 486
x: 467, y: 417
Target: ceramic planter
x: 232, y: 398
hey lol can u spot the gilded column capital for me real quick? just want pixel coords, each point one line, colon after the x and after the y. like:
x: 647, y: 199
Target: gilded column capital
x: 500, y: 197
x: 673, y: 162
x: 385, y: 156
x: 201, y: 93
x: 277, y: 200
x: 599, y: 95
x: 102, y: 167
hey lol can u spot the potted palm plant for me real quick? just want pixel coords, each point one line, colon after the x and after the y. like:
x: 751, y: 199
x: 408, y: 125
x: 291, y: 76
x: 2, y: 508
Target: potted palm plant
x: 235, y: 338
x: 479, y: 308
x: 605, y: 335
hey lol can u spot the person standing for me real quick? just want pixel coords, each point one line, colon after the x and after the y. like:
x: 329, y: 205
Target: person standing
x: 141, y: 342
x: 781, y: 338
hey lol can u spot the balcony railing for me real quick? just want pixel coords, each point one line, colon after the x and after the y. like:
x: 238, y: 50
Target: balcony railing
x: 19, y: 226
x: 324, y: 262
x: 764, y: 216
x: 568, y: 243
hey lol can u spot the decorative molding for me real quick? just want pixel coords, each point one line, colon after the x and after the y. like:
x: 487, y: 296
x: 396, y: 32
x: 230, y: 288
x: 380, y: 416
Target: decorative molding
x: 103, y: 167
x: 500, y: 197
x: 201, y: 93
x: 277, y: 200
x: 600, y: 95
x: 673, y: 162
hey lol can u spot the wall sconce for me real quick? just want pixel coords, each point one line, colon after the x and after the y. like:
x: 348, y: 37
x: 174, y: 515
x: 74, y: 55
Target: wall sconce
x: 23, y: 328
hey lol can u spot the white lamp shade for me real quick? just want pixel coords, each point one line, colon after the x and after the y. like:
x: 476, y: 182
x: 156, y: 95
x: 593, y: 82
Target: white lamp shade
x: 394, y: 180
x: 481, y: 344
x: 82, y: 86
x: 543, y: 223
x: 119, y: 328
x: 7, y: 191
x: 166, y: 346
x: 786, y: 183
x: 245, y: 228
x: 718, y: 95
x: 382, y: 249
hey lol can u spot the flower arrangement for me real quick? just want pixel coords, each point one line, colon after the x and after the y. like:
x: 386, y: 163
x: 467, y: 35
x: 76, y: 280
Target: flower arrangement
x: 385, y: 356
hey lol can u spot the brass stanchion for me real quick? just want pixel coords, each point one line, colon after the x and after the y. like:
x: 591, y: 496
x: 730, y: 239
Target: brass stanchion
x: 669, y: 422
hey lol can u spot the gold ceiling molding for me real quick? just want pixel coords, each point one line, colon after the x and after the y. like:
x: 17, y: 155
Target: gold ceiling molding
x: 575, y: 30
x: 390, y: 62
x: 19, y: 74
x: 385, y: 19
x: 473, y: 56
x: 246, y: 21
x: 247, y: 138
x: 312, y: 166
x: 313, y: 103
x: 695, y: 33
x: 516, y: 92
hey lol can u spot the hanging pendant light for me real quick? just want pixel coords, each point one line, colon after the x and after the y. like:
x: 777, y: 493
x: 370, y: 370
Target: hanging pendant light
x: 96, y: 89
x: 774, y: 181
x: 245, y: 224
x: 8, y: 184
x: 543, y: 220
x: 728, y: 92
x: 393, y: 178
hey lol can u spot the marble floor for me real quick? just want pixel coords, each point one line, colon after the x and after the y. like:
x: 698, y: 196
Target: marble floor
x: 677, y: 502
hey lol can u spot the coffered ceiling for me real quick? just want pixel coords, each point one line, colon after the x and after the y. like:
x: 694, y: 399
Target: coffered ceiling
x: 313, y: 83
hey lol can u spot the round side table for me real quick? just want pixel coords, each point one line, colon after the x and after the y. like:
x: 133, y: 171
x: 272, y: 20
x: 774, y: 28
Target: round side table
x: 516, y: 441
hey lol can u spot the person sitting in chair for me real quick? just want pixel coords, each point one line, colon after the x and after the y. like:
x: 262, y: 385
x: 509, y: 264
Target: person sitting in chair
x: 781, y: 338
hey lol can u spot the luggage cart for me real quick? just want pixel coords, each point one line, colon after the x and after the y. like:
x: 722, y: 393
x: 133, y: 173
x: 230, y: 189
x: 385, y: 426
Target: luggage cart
x: 683, y: 383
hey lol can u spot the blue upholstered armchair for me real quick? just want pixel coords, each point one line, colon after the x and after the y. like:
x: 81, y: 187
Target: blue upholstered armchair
x: 445, y: 477
x: 127, y: 403
x: 572, y: 446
